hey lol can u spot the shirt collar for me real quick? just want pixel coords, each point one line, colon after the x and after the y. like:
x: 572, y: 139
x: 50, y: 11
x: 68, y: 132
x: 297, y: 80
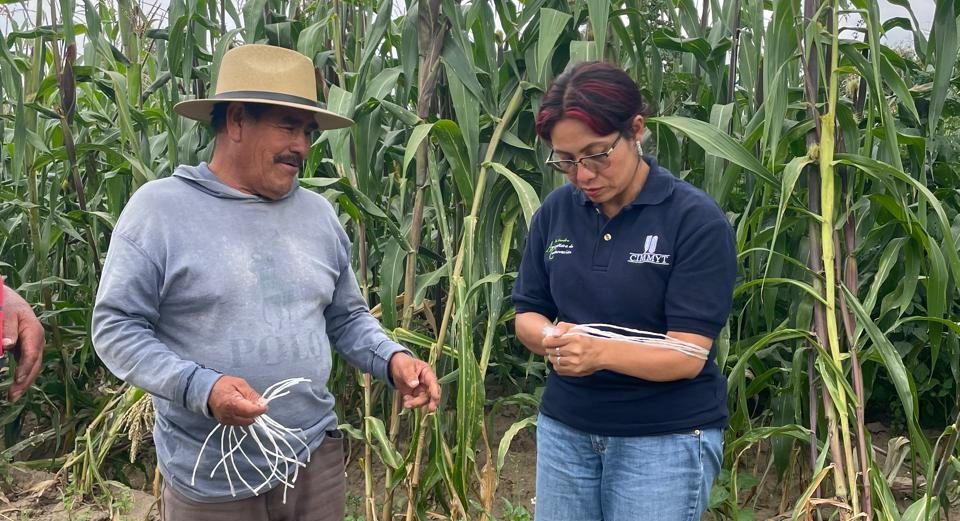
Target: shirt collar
x: 656, y: 189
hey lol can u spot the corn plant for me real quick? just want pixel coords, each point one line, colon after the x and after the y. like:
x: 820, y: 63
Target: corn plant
x: 834, y: 155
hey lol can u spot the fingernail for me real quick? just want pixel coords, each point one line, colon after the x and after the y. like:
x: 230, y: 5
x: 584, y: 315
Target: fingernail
x: 413, y: 383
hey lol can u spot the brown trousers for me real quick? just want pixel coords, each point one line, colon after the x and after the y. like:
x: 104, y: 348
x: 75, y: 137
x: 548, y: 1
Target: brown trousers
x: 319, y: 495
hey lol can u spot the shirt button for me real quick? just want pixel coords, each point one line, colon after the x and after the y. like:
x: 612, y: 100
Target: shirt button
x: 607, y: 236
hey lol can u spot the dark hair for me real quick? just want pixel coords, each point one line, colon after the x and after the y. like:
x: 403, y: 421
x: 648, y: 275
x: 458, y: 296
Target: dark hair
x: 219, y: 113
x: 598, y: 94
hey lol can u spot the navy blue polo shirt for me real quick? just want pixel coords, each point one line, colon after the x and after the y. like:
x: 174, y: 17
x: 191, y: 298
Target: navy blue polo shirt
x: 666, y: 262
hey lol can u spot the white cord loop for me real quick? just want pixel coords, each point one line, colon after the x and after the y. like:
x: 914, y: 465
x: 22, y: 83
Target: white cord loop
x: 276, y: 450
x: 635, y: 336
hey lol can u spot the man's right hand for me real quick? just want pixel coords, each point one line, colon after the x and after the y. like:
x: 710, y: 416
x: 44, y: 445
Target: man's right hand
x: 233, y: 402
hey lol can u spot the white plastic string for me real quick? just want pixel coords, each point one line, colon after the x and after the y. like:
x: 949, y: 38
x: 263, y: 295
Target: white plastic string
x: 636, y: 336
x: 236, y: 446
x: 233, y: 462
x: 269, y: 436
x: 223, y: 433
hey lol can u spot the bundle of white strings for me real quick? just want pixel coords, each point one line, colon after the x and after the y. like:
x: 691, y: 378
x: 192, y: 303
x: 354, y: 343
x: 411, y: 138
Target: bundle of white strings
x: 635, y: 336
x: 273, y: 446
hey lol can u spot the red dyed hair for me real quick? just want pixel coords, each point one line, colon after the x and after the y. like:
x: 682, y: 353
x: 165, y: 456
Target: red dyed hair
x: 597, y: 94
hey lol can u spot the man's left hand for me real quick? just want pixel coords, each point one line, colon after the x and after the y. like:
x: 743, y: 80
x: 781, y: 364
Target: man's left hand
x: 415, y: 381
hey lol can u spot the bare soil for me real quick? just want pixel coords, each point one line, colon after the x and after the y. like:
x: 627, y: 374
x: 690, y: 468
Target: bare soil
x: 38, y: 496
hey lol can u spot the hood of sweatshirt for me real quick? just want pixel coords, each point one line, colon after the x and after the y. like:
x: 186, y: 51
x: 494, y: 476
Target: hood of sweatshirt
x: 202, y: 178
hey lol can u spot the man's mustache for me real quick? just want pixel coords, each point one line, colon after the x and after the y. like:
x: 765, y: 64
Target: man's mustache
x: 290, y: 159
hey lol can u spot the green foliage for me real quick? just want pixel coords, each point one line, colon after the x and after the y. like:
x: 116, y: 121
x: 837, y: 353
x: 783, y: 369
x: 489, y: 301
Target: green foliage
x: 513, y: 512
x: 440, y: 175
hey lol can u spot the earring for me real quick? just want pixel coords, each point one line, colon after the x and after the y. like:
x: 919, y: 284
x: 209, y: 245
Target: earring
x: 639, y: 148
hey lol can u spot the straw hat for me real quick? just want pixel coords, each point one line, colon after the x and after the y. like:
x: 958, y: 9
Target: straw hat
x: 264, y: 74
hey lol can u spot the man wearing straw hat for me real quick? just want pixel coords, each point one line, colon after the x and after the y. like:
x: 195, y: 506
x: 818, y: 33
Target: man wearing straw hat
x: 227, y: 278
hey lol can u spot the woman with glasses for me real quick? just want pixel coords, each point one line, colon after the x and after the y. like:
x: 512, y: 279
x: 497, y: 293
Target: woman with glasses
x: 626, y: 280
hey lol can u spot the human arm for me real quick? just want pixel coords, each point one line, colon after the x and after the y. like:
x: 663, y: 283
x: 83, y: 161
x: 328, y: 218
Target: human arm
x: 535, y: 307
x: 124, y: 318
x: 360, y: 338
x: 530, y: 327
x: 697, y: 303
x: 581, y: 355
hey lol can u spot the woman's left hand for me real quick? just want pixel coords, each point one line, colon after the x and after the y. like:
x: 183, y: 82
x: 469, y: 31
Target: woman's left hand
x: 572, y: 355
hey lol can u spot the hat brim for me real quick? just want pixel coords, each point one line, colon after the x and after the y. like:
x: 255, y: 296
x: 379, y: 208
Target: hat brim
x: 202, y: 110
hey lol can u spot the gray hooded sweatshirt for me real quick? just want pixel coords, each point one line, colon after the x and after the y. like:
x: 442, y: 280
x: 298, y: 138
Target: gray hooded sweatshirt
x: 202, y: 280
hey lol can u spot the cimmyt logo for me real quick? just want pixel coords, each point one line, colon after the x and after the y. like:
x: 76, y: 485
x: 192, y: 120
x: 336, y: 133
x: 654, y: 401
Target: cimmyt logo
x: 649, y: 254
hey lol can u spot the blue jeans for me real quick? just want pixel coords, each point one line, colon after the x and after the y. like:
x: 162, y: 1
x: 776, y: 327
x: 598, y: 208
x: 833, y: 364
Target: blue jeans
x: 585, y: 477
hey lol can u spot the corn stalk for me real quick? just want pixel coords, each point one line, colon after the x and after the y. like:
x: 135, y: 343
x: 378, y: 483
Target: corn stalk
x: 725, y: 81
x: 457, y: 283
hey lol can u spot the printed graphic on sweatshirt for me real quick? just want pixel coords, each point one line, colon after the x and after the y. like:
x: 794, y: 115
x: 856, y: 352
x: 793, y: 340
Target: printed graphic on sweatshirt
x: 280, y: 349
x: 276, y: 289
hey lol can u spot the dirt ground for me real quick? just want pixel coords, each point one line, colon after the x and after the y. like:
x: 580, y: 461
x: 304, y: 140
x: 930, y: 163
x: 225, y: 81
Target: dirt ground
x: 36, y: 496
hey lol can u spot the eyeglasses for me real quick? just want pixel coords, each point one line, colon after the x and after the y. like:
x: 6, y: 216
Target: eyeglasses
x: 593, y: 162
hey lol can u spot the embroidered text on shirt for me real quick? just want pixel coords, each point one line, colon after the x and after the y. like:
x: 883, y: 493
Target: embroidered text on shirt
x: 560, y: 246
x: 649, y: 255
